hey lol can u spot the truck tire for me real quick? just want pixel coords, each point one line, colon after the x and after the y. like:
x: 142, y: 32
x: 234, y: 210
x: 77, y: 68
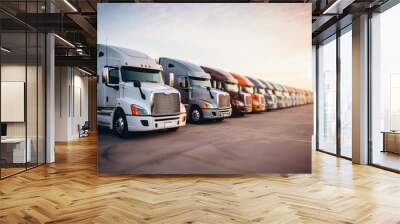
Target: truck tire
x: 220, y: 119
x: 195, y: 115
x: 173, y: 129
x: 120, y: 125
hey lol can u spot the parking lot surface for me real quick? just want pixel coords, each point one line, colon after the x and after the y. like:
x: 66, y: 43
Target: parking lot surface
x: 269, y: 142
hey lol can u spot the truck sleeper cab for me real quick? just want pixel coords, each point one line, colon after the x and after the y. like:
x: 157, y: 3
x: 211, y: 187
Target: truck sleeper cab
x: 285, y: 93
x: 269, y: 88
x: 282, y: 100
x: 224, y: 81
x: 294, y: 94
x: 258, y: 100
x: 132, y: 96
x: 259, y: 88
x: 201, y: 101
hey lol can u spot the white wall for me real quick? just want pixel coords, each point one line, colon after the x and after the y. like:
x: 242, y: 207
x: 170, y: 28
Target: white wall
x: 71, y: 102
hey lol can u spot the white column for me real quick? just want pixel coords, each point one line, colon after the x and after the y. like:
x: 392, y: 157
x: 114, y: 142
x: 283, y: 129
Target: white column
x: 360, y: 90
x: 50, y: 92
x: 50, y: 99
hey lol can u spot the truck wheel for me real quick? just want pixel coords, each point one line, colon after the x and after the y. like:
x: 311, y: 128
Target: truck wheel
x: 120, y: 125
x: 195, y: 115
x: 173, y: 129
x: 220, y: 119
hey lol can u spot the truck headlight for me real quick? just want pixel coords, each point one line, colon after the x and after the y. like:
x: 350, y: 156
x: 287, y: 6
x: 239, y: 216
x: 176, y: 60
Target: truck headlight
x: 138, y: 110
x: 205, y: 105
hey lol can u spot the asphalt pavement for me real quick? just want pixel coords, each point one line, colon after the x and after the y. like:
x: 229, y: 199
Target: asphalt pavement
x: 268, y: 142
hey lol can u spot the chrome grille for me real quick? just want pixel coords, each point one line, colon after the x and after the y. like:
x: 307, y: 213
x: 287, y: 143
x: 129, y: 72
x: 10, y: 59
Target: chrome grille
x: 262, y: 99
x: 165, y: 104
x: 247, y: 100
x: 223, y: 101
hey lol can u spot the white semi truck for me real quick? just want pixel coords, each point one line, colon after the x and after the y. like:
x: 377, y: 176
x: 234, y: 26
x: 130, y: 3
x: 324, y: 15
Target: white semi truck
x: 132, y: 96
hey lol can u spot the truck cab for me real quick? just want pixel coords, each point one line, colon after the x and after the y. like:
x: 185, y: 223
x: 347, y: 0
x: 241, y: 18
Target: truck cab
x: 259, y: 87
x: 288, y: 93
x: 202, y: 102
x: 288, y: 98
x: 282, y: 103
x: 132, y: 96
x: 257, y: 99
x: 269, y: 88
x: 224, y: 81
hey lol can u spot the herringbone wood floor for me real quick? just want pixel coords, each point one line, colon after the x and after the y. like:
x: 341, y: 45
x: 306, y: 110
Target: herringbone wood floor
x: 70, y: 191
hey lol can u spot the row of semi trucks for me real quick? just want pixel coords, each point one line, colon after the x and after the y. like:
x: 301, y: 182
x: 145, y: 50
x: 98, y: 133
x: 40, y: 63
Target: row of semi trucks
x: 137, y: 93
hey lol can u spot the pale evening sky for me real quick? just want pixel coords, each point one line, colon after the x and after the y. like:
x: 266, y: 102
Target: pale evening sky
x: 269, y: 41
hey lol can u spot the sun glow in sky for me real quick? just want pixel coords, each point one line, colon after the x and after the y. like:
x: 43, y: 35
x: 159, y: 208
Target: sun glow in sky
x: 269, y: 41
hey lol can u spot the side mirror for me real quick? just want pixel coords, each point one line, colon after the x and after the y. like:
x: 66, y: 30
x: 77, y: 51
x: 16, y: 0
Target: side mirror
x: 137, y: 83
x: 183, y: 83
x: 208, y: 88
x: 171, y: 79
x: 105, y: 75
x: 186, y: 83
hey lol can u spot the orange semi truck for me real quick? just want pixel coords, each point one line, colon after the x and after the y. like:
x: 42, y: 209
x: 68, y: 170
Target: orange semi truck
x: 258, y: 100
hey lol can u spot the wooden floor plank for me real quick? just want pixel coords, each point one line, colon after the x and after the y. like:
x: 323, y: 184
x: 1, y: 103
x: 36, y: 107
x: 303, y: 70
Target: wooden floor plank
x: 70, y: 191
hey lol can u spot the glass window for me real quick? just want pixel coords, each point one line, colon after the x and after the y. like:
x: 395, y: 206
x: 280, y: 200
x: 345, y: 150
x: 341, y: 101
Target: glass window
x: 22, y: 94
x: 113, y: 76
x: 199, y: 82
x: 130, y: 74
x: 346, y: 94
x: 385, y: 87
x: 231, y: 87
x: 32, y: 97
x: 327, y: 96
x: 247, y: 89
x: 15, y: 149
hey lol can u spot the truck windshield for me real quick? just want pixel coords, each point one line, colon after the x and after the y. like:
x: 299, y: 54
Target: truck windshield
x: 261, y: 91
x: 130, y: 74
x: 247, y: 89
x: 194, y: 81
x: 231, y: 87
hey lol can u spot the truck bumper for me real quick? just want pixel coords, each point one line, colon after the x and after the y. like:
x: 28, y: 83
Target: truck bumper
x: 259, y: 108
x: 149, y: 123
x: 241, y: 109
x: 217, y: 113
x: 270, y: 105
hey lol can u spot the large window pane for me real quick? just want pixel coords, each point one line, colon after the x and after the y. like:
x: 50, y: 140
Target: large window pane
x: 13, y: 86
x: 385, y: 83
x: 327, y: 96
x: 23, y: 90
x: 31, y: 98
x: 346, y: 94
